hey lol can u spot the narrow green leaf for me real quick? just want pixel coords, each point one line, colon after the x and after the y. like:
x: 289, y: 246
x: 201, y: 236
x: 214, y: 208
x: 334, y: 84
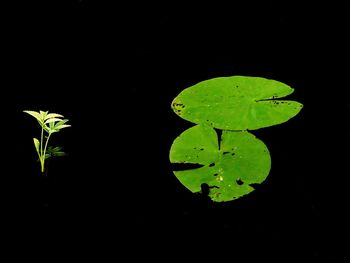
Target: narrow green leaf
x: 37, y: 145
x: 35, y: 114
x: 60, y: 154
x: 62, y: 122
x: 52, y: 120
x: 53, y: 115
x: 57, y: 149
x: 62, y: 126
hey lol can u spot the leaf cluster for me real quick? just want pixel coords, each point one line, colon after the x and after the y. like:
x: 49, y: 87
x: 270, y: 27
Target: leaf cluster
x: 50, y: 122
x: 232, y: 164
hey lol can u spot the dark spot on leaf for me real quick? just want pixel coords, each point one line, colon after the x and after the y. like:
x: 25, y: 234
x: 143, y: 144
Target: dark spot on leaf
x: 239, y: 182
x: 185, y: 166
x: 225, y: 153
x: 205, y: 188
x: 201, y: 149
x: 211, y: 165
x: 219, y: 133
x: 232, y: 154
x: 216, y: 174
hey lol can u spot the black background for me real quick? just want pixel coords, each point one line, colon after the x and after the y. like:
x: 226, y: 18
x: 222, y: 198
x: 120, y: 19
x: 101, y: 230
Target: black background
x: 113, y: 70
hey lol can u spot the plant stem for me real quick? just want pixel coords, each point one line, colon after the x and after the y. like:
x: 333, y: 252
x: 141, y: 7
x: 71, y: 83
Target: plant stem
x: 42, y: 165
x: 41, y: 149
x: 41, y: 140
x: 44, y: 153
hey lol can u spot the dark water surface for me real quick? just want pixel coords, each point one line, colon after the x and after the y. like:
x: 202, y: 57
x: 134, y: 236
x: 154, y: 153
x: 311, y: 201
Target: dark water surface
x: 113, y: 70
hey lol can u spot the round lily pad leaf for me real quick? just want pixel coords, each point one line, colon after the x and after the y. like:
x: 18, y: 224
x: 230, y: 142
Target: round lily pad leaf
x: 229, y: 167
x: 236, y: 103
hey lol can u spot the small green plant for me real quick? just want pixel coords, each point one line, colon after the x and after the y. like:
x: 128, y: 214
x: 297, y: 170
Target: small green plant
x: 231, y: 161
x: 50, y: 123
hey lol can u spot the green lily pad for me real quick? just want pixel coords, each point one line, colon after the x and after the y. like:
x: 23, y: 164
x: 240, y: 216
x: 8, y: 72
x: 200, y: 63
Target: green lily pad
x: 229, y: 167
x: 236, y: 103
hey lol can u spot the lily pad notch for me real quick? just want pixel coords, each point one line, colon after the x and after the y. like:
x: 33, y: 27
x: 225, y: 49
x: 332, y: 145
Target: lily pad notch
x: 230, y: 165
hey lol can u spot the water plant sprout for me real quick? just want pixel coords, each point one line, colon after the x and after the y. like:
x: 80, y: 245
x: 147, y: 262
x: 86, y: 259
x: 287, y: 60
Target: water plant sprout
x: 50, y: 123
